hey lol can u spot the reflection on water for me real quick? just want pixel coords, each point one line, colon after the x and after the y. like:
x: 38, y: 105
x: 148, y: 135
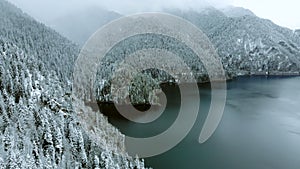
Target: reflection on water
x: 260, y: 128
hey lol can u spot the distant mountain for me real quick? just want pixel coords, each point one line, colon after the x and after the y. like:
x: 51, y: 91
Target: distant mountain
x: 40, y: 127
x: 237, y: 12
x: 246, y: 44
x: 79, y: 25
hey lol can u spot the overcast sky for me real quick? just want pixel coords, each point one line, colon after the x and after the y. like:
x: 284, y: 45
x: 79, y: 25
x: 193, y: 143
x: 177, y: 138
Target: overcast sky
x: 283, y: 12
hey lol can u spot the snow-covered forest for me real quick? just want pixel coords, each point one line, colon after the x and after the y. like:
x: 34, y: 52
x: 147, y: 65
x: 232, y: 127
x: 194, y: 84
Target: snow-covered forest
x: 39, y: 125
x: 245, y: 43
x: 248, y: 44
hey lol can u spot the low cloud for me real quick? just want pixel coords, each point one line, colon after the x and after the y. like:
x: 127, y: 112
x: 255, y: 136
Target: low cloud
x: 284, y: 13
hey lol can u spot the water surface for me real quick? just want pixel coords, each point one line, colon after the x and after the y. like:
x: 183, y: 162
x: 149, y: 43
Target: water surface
x: 260, y: 128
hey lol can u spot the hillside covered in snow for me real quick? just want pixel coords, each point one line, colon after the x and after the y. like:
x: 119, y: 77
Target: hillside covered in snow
x: 248, y: 44
x: 40, y: 127
x: 245, y: 43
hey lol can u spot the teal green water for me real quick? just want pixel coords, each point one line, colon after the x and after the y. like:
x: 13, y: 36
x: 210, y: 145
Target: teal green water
x: 260, y: 128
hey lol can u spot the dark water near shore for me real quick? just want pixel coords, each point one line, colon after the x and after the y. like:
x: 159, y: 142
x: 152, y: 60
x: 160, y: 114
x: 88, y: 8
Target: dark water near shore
x: 260, y: 128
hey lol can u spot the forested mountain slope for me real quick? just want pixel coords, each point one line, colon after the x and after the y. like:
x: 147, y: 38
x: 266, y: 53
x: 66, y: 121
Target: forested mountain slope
x: 56, y: 52
x: 245, y: 43
x: 39, y: 125
x: 248, y: 44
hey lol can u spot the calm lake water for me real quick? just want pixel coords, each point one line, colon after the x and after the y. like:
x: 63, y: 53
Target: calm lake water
x: 260, y: 128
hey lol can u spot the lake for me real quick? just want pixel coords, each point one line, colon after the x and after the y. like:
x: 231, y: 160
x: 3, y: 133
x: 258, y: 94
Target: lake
x: 260, y: 128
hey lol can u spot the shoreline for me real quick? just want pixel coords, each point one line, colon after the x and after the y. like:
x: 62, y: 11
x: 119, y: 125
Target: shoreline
x: 104, y: 106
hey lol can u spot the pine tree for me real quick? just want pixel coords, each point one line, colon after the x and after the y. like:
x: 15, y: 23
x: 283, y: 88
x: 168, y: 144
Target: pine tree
x: 7, y: 140
x: 2, y: 75
x: 11, y: 160
x: 36, y: 155
x: 107, y: 160
x: 9, y: 84
x: 48, y: 143
x: 28, y: 162
x: 81, y: 149
x: 139, y: 164
x: 3, y: 115
x: 96, y: 162
x: 58, y: 144
x: 2, y: 163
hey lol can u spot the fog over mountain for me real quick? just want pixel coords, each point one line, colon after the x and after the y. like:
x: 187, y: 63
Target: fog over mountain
x: 285, y: 13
